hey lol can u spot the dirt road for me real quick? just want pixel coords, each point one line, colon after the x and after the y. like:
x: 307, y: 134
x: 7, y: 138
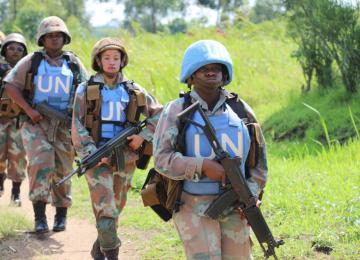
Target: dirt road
x: 73, y: 244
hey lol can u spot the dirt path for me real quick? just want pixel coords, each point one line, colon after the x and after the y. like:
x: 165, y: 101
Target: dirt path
x: 73, y: 244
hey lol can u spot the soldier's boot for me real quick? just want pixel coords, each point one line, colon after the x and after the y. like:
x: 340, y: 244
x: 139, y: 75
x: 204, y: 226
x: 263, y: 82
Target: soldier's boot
x: 60, y: 219
x: 112, y: 254
x: 2, y: 179
x: 41, y: 225
x: 15, y: 194
x: 96, y: 251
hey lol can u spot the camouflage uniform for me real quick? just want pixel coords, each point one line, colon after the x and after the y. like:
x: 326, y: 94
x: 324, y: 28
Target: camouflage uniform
x: 48, y: 161
x: 203, y: 238
x: 108, y: 187
x: 48, y: 148
x: 12, y: 154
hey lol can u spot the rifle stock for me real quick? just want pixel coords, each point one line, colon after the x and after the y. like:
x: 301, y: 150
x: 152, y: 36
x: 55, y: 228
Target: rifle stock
x: 114, y: 144
x: 239, y: 193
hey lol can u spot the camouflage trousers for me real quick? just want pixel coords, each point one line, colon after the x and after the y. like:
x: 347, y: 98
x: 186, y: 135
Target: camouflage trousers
x: 108, y: 193
x: 204, y: 238
x: 12, y: 154
x: 108, y: 189
x: 48, y: 162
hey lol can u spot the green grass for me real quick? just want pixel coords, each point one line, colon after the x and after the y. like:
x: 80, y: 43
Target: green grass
x: 11, y: 222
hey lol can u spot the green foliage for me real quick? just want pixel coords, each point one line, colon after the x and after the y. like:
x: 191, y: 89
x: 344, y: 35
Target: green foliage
x: 177, y: 26
x: 28, y: 21
x: 297, y: 122
x: 149, y: 12
x: 265, y: 10
x: 224, y: 8
x: 326, y: 31
x: 25, y: 15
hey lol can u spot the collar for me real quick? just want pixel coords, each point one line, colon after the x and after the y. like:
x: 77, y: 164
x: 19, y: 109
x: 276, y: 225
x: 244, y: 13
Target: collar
x: 224, y: 95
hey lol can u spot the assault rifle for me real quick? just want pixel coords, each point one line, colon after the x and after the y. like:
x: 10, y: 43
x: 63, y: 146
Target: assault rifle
x: 116, y: 144
x: 238, y: 192
x: 48, y: 111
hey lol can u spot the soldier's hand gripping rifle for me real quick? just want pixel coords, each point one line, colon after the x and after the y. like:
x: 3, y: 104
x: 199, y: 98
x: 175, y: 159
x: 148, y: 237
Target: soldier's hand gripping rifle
x: 48, y: 111
x: 116, y: 144
x: 238, y: 192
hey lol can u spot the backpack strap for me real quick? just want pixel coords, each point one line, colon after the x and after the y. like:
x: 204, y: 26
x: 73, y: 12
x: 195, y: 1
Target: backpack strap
x: 75, y: 69
x: 29, y: 83
x: 93, y: 108
x: 238, y: 106
x: 183, y: 125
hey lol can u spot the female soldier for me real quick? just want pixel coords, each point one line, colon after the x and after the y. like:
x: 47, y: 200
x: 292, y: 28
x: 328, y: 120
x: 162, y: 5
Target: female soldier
x: 102, y: 109
x: 12, y: 154
x: 207, y: 67
x: 48, y: 77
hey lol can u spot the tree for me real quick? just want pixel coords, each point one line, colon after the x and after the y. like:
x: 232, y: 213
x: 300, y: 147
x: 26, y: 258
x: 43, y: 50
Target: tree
x: 266, y: 10
x: 149, y: 12
x: 330, y: 28
x: 25, y: 15
x: 223, y: 7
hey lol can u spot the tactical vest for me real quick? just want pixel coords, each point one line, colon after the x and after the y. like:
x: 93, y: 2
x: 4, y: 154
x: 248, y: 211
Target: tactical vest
x: 239, y: 108
x: 135, y: 106
x: 32, y: 76
x: 233, y: 136
x: 7, y: 107
x: 93, y: 120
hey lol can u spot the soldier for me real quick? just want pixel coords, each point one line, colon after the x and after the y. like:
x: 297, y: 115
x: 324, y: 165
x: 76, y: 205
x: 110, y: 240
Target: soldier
x: 207, y: 68
x: 49, y: 77
x: 12, y: 154
x: 102, y: 109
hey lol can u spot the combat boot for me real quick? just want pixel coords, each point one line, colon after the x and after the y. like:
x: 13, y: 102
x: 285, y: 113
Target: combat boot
x: 60, y: 219
x: 41, y: 225
x: 96, y: 253
x: 15, y: 194
x: 112, y: 254
x: 2, y: 179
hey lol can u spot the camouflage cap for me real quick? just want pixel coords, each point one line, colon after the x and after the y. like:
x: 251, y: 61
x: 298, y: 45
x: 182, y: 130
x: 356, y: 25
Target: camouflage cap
x: 52, y: 24
x: 107, y: 44
x: 13, y: 37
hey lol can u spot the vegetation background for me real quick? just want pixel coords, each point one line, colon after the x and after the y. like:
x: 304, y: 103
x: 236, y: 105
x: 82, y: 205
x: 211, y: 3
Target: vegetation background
x: 312, y: 198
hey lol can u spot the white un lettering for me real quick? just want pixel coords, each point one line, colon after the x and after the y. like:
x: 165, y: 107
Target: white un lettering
x: 60, y: 82
x: 112, y: 111
x: 226, y: 143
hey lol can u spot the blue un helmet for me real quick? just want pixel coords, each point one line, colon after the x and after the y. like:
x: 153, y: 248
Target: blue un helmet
x: 202, y: 53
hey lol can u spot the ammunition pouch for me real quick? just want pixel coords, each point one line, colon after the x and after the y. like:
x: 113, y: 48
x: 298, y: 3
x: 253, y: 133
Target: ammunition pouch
x: 8, y: 108
x: 144, y: 155
x: 93, y: 105
x: 161, y: 194
x: 136, y: 104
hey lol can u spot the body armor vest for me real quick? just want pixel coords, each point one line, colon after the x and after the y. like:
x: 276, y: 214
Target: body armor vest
x: 234, y: 139
x: 53, y: 85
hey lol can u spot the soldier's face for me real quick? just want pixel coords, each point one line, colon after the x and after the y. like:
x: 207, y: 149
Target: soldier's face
x: 53, y: 41
x: 14, y: 52
x: 208, y: 76
x: 110, y: 61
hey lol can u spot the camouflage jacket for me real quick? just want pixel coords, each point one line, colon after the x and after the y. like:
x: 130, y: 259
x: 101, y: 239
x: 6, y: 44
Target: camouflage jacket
x: 175, y: 165
x: 82, y: 140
